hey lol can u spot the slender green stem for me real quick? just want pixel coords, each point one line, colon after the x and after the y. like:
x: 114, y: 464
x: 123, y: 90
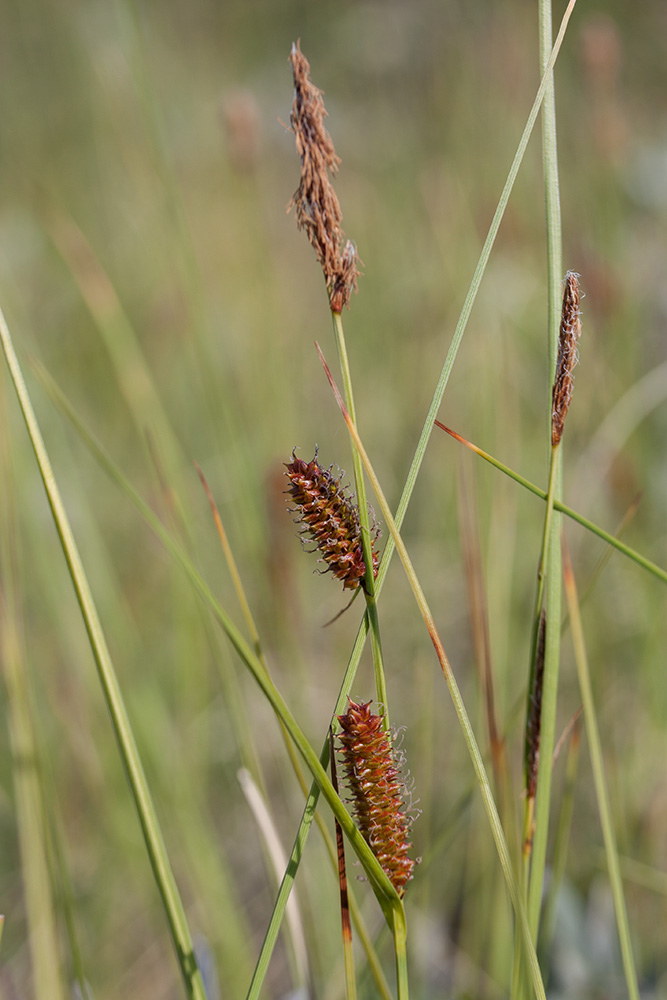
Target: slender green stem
x: 529, y: 800
x: 366, y: 537
x: 457, y: 700
x: 121, y: 724
x: 400, y: 935
x: 612, y: 540
x: 599, y: 777
x: 553, y: 576
x: 562, y: 838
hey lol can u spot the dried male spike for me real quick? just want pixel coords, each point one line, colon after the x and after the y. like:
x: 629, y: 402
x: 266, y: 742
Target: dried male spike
x: 534, y: 720
x: 317, y: 206
x: 570, y: 331
x: 330, y: 518
x: 377, y: 791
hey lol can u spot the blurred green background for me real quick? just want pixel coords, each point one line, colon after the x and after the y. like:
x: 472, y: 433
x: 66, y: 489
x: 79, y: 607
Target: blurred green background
x: 144, y: 176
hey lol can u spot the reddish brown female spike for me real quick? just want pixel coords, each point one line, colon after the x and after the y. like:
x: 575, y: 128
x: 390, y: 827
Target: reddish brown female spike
x: 376, y: 790
x: 330, y: 518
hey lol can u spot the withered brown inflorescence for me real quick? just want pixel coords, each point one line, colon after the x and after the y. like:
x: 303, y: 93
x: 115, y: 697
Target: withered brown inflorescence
x: 377, y: 791
x: 570, y: 331
x: 317, y: 206
x: 534, y: 720
x: 330, y: 518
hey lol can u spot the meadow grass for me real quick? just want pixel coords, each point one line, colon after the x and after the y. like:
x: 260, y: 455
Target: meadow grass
x: 164, y: 311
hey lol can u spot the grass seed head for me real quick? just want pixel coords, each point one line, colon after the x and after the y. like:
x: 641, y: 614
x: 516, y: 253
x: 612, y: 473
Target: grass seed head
x: 570, y: 331
x: 315, y: 201
x: 377, y: 791
x: 330, y: 518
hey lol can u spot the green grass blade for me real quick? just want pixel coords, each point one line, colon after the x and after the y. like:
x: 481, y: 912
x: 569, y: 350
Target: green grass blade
x: 597, y: 766
x: 146, y: 811
x: 595, y: 529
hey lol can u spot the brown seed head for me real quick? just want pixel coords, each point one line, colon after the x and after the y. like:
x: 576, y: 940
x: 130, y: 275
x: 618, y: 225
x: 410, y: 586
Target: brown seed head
x: 377, y: 791
x: 534, y: 720
x: 570, y: 331
x: 317, y: 206
x: 330, y: 518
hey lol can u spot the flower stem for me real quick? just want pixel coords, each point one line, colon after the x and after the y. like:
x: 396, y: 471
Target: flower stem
x: 366, y: 537
x: 552, y: 529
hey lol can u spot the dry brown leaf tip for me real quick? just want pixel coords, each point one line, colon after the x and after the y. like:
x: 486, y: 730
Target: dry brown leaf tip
x: 315, y: 201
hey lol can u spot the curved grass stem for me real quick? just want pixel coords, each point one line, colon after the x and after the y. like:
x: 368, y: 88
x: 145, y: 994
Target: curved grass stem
x: 574, y: 515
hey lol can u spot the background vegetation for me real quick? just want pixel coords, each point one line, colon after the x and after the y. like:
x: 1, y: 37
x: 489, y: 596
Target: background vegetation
x: 144, y: 174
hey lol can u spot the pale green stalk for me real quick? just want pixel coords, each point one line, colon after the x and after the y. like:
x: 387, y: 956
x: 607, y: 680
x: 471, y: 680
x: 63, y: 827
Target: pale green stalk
x: 376, y: 644
x: 562, y: 838
x: 366, y: 538
x: 399, y: 931
x: 597, y: 767
x: 529, y: 801
x: 149, y: 823
x: 348, y: 964
x: 457, y: 700
x: 552, y: 567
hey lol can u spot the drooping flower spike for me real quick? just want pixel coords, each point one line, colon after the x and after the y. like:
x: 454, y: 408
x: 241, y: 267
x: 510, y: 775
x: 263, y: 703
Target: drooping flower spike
x: 330, y: 518
x: 377, y: 791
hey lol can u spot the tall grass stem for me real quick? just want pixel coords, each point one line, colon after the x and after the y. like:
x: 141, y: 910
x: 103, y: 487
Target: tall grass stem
x: 366, y: 537
x: 553, y: 564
